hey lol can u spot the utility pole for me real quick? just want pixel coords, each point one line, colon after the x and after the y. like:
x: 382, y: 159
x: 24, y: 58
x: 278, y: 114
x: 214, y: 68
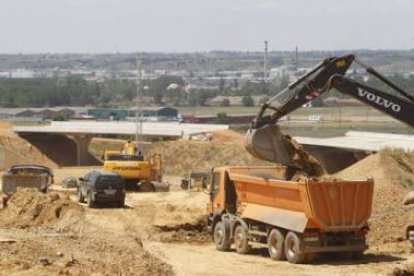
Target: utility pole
x: 138, y: 112
x: 265, y: 62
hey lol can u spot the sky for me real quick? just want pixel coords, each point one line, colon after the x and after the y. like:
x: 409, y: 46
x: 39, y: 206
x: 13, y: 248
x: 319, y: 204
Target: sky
x: 109, y: 26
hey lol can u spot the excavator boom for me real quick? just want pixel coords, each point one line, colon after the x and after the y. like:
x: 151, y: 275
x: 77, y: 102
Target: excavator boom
x: 264, y: 139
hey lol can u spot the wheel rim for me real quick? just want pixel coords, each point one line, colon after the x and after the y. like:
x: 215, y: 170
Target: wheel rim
x: 291, y: 248
x: 238, y: 239
x: 273, y: 245
x: 219, y: 236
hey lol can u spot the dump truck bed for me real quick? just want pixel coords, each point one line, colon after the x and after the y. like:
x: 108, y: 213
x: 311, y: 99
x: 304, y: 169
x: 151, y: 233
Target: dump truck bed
x: 334, y: 205
x: 11, y: 182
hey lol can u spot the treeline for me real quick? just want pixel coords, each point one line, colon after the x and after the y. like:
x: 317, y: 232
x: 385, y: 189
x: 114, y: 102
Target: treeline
x: 72, y: 91
x: 167, y: 90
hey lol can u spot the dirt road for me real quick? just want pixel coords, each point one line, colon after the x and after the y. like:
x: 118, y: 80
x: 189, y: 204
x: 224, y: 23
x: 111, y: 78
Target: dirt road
x: 157, y: 234
x: 194, y: 257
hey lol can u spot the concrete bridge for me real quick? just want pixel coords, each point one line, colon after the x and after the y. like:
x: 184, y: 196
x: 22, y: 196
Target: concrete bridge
x: 81, y: 133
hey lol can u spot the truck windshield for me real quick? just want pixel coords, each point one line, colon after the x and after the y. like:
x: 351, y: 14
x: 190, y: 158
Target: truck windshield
x: 122, y: 157
x: 215, y: 183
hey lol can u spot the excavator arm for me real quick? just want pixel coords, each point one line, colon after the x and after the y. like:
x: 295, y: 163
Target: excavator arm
x: 264, y: 139
x: 399, y: 108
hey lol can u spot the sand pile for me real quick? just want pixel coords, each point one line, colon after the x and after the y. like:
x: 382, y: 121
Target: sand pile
x: 180, y: 157
x: 389, y: 217
x: 29, y: 207
x: 16, y: 150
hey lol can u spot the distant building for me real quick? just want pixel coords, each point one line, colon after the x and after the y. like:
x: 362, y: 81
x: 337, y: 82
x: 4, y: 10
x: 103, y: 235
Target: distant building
x: 148, y: 113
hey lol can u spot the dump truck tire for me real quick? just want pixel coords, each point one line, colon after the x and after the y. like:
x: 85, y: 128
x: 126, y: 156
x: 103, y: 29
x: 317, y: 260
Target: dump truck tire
x: 147, y: 187
x: 276, y: 245
x: 79, y: 196
x: 357, y: 255
x: 292, y: 247
x: 220, y: 239
x: 241, y: 242
x: 121, y: 204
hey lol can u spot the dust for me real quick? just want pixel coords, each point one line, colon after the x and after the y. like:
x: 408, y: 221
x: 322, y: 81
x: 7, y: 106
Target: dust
x: 306, y: 164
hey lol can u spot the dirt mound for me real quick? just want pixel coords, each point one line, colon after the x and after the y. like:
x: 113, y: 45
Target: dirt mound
x: 187, y: 232
x: 407, y: 270
x: 179, y: 157
x: 389, y: 217
x: 29, y: 207
x: 228, y: 137
x: 50, y: 234
x: 15, y: 150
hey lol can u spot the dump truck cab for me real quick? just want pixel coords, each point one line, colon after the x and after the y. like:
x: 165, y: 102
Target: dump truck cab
x: 256, y: 206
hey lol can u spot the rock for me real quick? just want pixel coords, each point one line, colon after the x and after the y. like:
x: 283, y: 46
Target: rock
x: 43, y: 261
x: 409, y: 198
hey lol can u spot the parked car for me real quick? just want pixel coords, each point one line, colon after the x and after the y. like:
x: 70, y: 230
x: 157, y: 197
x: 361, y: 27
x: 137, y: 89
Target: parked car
x: 69, y: 182
x: 101, y: 187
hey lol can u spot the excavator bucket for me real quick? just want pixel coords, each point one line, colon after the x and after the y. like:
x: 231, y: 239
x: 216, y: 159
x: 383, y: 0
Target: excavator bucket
x: 268, y: 143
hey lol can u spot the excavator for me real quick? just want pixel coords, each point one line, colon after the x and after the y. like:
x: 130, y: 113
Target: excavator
x: 264, y: 139
x: 139, y: 172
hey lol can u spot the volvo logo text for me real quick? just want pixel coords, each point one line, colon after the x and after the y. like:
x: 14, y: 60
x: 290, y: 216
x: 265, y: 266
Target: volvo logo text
x: 379, y: 100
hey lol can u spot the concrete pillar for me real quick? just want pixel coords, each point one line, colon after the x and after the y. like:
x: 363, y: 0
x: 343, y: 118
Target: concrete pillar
x: 82, y: 142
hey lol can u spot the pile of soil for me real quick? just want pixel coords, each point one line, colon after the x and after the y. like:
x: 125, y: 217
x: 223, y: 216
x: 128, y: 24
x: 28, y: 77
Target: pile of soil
x: 389, y: 217
x: 187, y: 232
x: 172, y: 217
x: 29, y: 207
x: 16, y: 150
x: 50, y: 234
x: 180, y: 157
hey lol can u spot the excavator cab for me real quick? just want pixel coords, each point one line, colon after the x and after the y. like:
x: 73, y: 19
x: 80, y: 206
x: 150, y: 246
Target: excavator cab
x: 264, y: 139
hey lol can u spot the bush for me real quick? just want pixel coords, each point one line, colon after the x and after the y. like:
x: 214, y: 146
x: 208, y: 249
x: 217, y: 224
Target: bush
x: 247, y: 101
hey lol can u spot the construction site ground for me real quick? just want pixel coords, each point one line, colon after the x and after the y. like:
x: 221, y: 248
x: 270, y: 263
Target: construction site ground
x: 164, y: 233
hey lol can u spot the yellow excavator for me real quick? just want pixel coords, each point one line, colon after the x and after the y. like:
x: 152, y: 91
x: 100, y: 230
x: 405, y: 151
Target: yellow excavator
x: 139, y: 172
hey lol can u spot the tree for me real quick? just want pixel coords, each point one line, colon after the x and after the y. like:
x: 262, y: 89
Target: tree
x: 222, y: 118
x: 225, y: 102
x: 247, y: 101
x: 158, y: 87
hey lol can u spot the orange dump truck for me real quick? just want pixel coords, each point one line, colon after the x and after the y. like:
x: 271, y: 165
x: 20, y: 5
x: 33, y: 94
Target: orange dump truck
x: 254, y: 206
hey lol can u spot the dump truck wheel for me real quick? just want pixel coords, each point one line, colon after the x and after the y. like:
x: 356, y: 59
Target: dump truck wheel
x: 147, y: 187
x: 79, y: 196
x: 220, y: 240
x: 121, y: 204
x: 276, y: 245
x: 292, y: 247
x: 240, y: 240
x: 357, y: 255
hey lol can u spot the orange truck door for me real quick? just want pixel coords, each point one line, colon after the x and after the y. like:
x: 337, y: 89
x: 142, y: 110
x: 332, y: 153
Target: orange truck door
x: 216, y: 193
